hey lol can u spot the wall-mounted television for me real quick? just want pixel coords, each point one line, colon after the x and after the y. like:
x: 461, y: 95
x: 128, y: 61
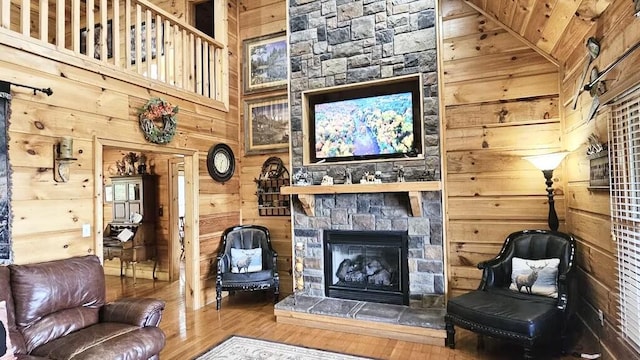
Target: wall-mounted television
x: 366, y: 121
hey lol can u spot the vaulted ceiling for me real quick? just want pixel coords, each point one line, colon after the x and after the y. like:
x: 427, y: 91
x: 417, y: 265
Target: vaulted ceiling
x: 554, y: 27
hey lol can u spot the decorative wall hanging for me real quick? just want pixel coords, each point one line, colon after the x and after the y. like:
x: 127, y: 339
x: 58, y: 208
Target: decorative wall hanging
x: 266, y: 125
x: 5, y: 172
x: 265, y: 63
x: 221, y: 162
x: 154, y: 110
x: 598, y: 154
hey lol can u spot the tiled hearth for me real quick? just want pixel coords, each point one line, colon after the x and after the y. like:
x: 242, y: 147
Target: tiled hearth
x: 432, y: 317
x: 424, y: 325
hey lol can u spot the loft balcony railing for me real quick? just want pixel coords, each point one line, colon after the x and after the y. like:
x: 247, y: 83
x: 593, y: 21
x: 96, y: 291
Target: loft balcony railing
x: 116, y: 33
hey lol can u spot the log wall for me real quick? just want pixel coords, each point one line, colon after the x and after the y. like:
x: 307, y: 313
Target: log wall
x: 588, y: 212
x: 257, y: 18
x: 88, y: 102
x: 501, y: 102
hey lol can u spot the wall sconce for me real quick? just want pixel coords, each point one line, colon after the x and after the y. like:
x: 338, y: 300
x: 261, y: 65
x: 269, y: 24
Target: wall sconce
x: 547, y: 163
x: 62, y: 159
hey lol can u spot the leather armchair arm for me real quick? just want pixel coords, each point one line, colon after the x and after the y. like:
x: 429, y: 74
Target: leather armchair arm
x: 139, y: 312
x: 492, y: 274
x: 563, y: 290
x: 222, y: 263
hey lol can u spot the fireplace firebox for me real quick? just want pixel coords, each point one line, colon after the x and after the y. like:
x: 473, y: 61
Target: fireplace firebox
x: 367, y: 266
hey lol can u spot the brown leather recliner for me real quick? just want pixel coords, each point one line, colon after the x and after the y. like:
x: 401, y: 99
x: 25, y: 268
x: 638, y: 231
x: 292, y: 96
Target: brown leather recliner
x: 57, y: 310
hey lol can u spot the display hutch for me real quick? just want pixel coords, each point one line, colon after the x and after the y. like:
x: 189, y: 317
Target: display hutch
x: 131, y: 235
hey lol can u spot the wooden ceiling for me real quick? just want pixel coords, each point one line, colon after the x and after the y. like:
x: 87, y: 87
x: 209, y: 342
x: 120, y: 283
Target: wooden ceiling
x: 554, y: 27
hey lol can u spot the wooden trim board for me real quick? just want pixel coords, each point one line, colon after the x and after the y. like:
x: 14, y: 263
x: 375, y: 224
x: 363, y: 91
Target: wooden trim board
x: 362, y: 327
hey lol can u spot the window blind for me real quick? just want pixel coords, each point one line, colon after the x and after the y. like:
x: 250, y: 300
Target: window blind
x: 624, y: 155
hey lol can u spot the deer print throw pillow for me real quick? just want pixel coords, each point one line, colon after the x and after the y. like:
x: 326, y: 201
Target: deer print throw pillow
x: 246, y: 260
x: 538, y: 277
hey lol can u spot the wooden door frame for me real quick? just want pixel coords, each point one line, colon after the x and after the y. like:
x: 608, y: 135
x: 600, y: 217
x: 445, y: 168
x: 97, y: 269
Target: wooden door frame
x: 174, y: 213
x: 193, y: 290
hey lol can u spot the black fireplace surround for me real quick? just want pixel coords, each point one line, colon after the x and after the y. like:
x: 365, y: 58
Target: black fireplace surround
x: 367, y: 266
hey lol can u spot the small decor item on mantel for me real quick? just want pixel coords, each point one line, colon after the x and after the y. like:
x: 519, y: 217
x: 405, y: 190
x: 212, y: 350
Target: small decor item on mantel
x: 327, y: 180
x: 154, y: 110
x: 302, y: 177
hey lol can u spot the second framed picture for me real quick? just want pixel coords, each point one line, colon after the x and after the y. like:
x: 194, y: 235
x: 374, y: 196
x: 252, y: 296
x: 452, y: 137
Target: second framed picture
x: 265, y: 63
x: 266, y: 123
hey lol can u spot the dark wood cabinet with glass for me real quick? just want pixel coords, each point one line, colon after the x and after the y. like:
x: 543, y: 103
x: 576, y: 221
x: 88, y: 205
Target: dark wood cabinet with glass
x: 131, y: 235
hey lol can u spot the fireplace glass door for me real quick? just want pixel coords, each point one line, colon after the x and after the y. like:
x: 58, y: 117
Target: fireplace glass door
x: 367, y: 266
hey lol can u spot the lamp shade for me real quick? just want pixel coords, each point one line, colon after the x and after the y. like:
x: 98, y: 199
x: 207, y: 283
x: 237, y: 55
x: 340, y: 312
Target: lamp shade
x: 547, y: 161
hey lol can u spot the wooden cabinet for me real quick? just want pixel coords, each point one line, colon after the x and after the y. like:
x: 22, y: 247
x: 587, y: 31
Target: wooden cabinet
x: 133, y: 195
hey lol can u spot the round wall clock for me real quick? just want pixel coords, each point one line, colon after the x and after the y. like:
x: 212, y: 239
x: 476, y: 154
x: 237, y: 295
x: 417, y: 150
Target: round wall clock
x: 221, y: 162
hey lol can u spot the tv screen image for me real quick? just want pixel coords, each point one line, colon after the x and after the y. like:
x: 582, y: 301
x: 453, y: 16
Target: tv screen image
x: 364, y: 127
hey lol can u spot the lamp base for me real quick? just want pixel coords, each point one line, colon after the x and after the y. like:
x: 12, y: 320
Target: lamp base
x: 552, y: 219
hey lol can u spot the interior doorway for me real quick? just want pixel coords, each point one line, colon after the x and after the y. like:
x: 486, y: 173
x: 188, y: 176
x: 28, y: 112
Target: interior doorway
x: 189, y: 160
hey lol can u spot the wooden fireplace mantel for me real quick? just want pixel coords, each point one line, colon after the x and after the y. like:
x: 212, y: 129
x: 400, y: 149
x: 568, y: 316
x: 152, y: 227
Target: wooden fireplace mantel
x: 306, y: 194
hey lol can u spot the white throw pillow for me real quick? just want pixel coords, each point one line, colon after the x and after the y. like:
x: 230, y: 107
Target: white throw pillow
x: 538, y: 277
x: 246, y: 260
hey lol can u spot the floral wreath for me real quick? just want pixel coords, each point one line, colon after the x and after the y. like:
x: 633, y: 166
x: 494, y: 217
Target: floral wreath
x: 158, y: 109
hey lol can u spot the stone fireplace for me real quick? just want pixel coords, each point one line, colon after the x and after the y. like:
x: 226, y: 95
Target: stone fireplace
x: 343, y: 42
x: 375, y: 214
x: 366, y: 265
x: 340, y: 42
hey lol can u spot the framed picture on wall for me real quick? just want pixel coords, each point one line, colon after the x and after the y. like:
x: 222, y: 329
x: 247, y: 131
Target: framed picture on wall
x: 265, y: 63
x: 266, y: 125
x: 97, y: 46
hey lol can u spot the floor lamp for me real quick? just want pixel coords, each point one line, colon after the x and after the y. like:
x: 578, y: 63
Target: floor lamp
x: 547, y: 163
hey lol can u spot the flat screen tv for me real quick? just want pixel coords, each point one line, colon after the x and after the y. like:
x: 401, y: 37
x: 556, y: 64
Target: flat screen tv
x: 381, y: 120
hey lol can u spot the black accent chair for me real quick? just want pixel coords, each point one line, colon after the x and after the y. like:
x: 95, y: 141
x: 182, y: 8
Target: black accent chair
x: 525, y: 319
x: 232, y: 275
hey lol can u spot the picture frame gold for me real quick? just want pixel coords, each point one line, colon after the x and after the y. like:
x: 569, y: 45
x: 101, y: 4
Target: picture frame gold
x: 266, y: 122
x: 265, y: 64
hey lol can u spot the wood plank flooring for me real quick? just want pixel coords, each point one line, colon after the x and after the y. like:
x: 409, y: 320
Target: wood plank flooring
x: 190, y: 333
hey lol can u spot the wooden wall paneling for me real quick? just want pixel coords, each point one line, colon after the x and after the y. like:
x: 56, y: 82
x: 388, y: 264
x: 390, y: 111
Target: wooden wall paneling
x: 515, y: 111
x: 593, y: 230
x: 470, y: 24
x: 92, y: 100
x: 473, y: 161
x: 489, y: 231
x: 580, y: 197
x: 257, y: 18
x: 519, y: 63
x: 562, y: 14
x: 490, y: 113
x: 507, y: 183
x: 504, y: 137
x: 62, y: 244
x: 588, y: 213
x: 470, y: 254
x: 493, y: 42
x: 454, y: 9
x: 477, y: 91
x: 500, y: 208
x: 33, y: 183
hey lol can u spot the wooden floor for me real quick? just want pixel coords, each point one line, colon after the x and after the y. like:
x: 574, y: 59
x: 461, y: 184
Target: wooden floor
x: 190, y: 333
